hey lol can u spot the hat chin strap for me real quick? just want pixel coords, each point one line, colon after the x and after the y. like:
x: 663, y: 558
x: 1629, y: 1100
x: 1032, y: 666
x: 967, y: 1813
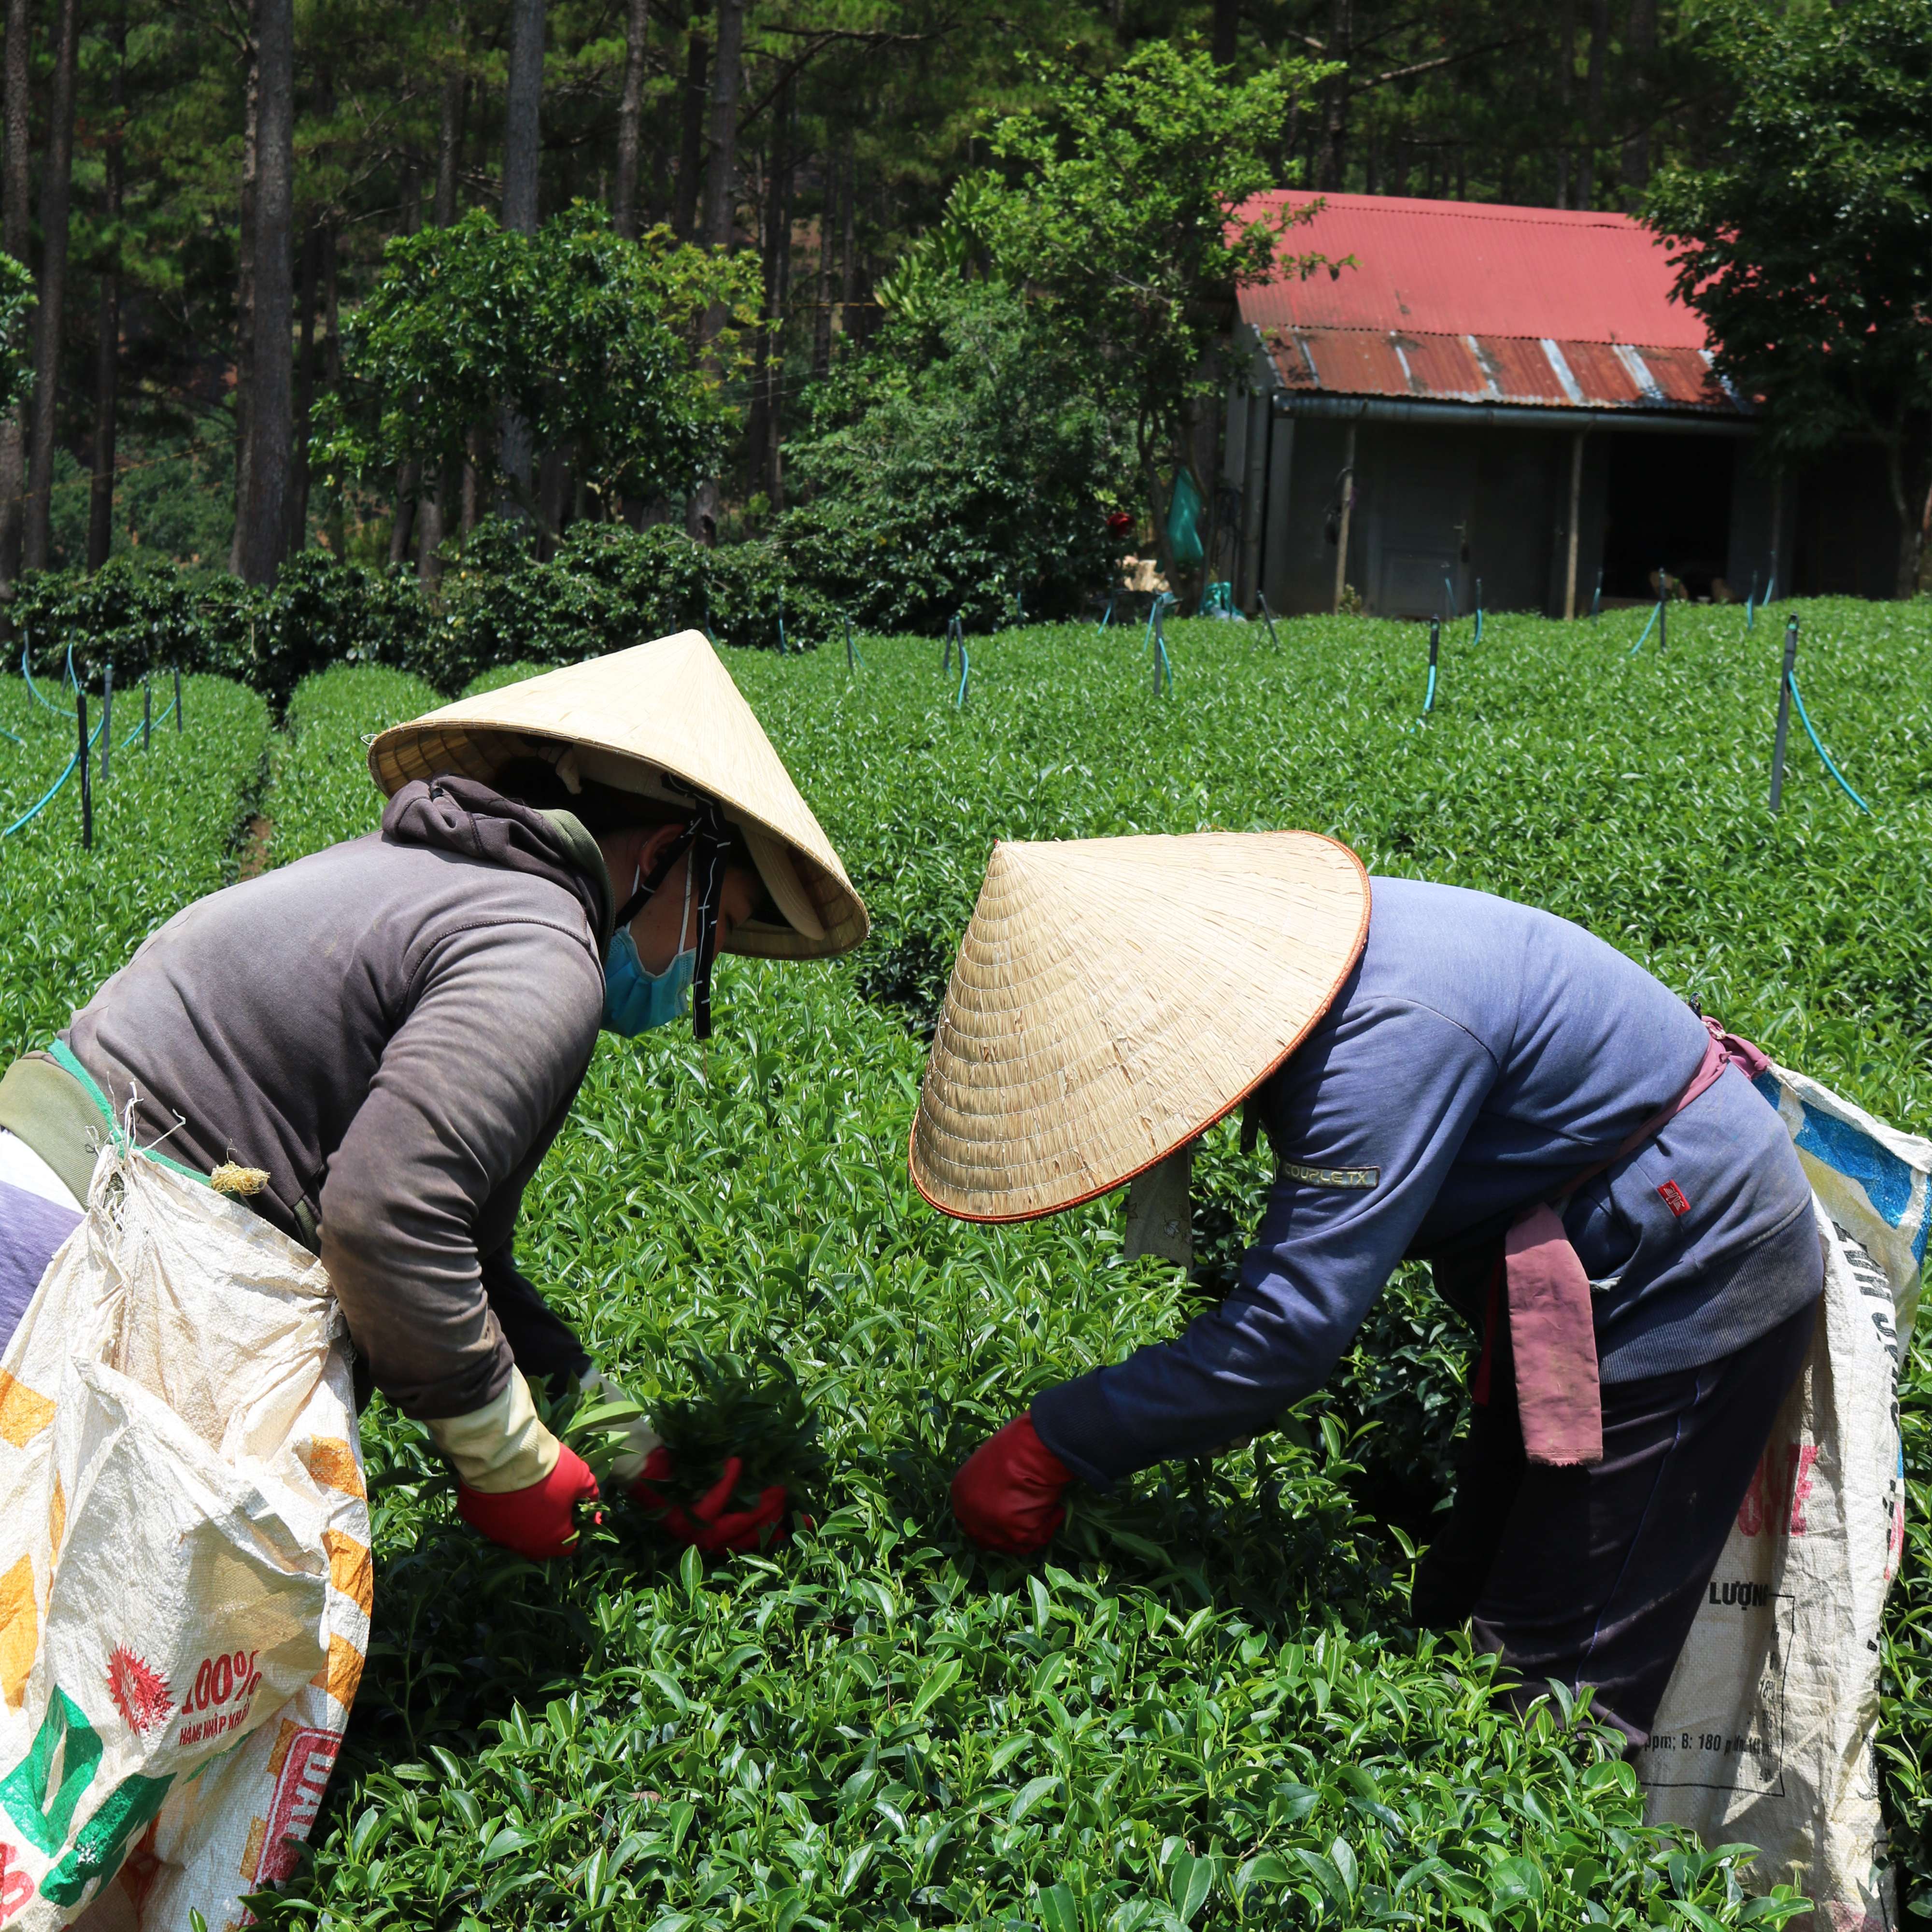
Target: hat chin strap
x: 707, y: 838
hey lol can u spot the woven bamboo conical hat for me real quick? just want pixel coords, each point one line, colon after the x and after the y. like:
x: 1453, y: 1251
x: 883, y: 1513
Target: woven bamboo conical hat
x: 1114, y: 997
x: 663, y: 719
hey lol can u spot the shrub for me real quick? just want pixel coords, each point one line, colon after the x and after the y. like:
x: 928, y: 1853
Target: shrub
x: 607, y: 586
x: 958, y: 465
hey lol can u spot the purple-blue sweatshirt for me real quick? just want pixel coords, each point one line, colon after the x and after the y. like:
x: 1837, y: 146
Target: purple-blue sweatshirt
x: 1480, y: 1054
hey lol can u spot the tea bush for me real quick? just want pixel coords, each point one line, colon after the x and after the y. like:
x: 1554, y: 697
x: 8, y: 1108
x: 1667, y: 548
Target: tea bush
x: 607, y: 586
x: 1206, y: 1709
x: 166, y: 826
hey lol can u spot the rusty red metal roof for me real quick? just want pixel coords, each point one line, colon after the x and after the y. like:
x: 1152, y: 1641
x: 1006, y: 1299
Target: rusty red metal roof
x: 1467, y: 302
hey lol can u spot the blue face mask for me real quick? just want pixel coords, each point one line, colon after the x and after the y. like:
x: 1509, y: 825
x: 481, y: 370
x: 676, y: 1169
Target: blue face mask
x: 635, y: 1001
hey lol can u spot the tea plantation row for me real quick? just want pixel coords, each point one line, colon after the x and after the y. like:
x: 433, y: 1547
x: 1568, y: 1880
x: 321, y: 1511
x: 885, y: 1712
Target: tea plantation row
x: 1208, y: 1709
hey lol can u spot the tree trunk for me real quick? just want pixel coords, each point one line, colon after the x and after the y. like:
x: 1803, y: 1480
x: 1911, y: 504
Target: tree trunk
x: 264, y: 510
x: 768, y: 431
x: 1905, y: 583
x: 1640, y: 39
x: 15, y: 216
x: 522, y: 103
x: 821, y: 322
x: 331, y: 374
x: 448, y: 147
x: 691, y: 147
x: 1593, y: 101
x: 630, y: 116
x: 107, y: 341
x: 522, y: 111
x: 1227, y: 31
x: 311, y: 275
x: 1566, y: 77
x: 244, y: 292
x: 1335, y: 106
x: 848, y: 260
x: 720, y: 165
x: 56, y: 186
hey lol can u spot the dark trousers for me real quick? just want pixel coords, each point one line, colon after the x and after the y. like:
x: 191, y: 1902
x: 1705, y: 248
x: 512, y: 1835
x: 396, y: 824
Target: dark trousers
x: 1593, y: 1576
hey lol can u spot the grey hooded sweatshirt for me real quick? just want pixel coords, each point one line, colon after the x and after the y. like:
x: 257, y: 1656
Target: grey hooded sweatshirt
x: 394, y: 1030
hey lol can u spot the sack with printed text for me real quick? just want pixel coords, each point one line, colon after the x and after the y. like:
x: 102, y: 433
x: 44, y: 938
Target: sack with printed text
x: 1766, y: 1732
x: 184, y: 1568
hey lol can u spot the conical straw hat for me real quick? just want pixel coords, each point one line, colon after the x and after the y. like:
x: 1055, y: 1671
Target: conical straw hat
x: 661, y: 718
x: 1114, y: 997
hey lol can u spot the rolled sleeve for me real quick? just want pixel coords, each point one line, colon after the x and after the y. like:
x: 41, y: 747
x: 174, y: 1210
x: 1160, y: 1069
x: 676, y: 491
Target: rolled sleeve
x: 1367, y: 1121
x: 491, y: 1053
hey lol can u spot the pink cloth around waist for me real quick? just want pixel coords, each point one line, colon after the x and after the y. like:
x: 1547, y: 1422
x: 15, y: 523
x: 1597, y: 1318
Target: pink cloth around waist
x: 1552, y: 1329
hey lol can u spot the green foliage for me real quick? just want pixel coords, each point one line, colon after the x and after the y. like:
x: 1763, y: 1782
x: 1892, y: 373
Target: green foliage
x: 165, y: 825
x: 753, y: 1410
x: 322, y: 792
x: 590, y: 338
x: 1118, y: 209
x: 174, y: 499
x: 958, y: 463
x: 17, y: 349
x: 1803, y: 245
x: 1206, y: 1709
x: 609, y: 587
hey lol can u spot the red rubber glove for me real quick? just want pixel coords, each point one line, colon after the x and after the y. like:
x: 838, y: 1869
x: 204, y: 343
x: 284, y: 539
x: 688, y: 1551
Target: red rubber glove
x: 1009, y: 1494
x: 707, y: 1524
x: 539, y: 1521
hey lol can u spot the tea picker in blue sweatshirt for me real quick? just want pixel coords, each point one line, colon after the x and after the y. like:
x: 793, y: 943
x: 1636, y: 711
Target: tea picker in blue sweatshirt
x: 1598, y: 1186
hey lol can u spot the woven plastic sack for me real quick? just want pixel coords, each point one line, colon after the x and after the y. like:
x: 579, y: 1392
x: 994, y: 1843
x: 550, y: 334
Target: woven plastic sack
x: 184, y: 1571
x: 1764, y: 1733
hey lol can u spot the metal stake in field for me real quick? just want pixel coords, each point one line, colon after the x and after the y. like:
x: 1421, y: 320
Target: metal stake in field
x: 179, y: 726
x: 86, y: 762
x: 147, y: 712
x: 106, y: 717
x: 1435, y: 645
x: 1663, y: 609
x: 1268, y: 618
x: 1783, y: 714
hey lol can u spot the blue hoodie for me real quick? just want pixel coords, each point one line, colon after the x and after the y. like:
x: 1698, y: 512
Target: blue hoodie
x: 1479, y: 1055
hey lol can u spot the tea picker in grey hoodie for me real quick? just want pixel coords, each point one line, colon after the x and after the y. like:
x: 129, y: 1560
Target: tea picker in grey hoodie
x: 393, y: 1029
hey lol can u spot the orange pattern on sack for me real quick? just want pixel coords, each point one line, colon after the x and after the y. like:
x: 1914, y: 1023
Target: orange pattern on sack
x: 332, y: 1463
x: 350, y: 1570
x: 24, y: 1412
x: 19, y: 1631
x: 343, y: 1672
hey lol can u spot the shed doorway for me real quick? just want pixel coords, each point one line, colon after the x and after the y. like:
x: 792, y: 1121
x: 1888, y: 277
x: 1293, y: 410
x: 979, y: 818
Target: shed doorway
x: 1668, y: 506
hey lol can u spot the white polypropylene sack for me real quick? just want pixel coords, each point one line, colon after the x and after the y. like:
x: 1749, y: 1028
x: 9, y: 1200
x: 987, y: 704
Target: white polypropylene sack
x: 1764, y: 1733
x: 184, y: 1570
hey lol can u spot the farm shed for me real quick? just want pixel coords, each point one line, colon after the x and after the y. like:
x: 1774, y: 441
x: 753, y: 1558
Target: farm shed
x: 1509, y: 395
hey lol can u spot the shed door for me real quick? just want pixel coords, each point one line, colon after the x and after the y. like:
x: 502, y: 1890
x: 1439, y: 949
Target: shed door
x: 1425, y: 495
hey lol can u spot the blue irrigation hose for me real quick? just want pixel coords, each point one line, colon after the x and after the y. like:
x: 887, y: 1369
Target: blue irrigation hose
x: 46, y: 797
x: 1429, y: 698
x: 139, y: 728
x: 5, y: 733
x: 1478, y: 637
x: 965, y: 672
x: 1162, y: 668
x: 1647, y: 629
x: 1104, y: 615
x: 1454, y: 611
x: 33, y: 690
x: 1817, y: 745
